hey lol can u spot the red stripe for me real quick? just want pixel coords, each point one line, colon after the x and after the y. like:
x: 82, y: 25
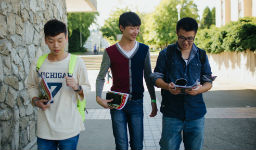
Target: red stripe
x: 120, y: 70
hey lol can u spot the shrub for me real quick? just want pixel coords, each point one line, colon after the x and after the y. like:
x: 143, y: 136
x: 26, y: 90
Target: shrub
x: 203, y: 39
x: 236, y: 36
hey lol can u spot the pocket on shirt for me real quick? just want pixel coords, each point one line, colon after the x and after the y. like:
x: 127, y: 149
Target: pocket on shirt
x: 176, y: 70
x: 195, y: 68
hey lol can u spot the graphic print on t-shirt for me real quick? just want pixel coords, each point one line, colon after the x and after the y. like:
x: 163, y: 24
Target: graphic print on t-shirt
x: 54, y: 87
x: 54, y: 76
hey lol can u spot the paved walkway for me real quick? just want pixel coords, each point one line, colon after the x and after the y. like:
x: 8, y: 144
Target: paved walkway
x: 98, y: 134
x: 152, y: 126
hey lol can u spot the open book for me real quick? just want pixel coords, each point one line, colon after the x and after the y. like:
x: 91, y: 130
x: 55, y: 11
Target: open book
x: 187, y: 87
x: 119, y: 99
x: 182, y: 83
x: 45, y: 92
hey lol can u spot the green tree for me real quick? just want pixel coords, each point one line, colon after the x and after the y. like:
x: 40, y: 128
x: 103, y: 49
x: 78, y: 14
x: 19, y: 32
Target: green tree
x: 214, y: 16
x: 149, y: 33
x: 164, y: 22
x: 188, y: 9
x: 78, y: 29
x: 143, y: 27
x: 235, y: 36
x: 111, y: 26
x: 207, y: 19
x: 165, y: 19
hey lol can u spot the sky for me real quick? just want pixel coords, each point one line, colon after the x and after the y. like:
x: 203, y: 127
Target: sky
x: 105, y: 7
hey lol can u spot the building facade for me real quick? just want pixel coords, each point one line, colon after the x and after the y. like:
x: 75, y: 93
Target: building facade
x: 232, y: 10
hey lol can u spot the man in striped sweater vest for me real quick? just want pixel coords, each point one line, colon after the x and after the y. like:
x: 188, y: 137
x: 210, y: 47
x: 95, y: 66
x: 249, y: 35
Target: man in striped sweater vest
x: 128, y: 60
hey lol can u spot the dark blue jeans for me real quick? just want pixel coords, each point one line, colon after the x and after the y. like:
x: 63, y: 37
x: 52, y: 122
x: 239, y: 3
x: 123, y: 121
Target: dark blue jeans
x: 67, y: 144
x: 193, y: 132
x: 131, y: 115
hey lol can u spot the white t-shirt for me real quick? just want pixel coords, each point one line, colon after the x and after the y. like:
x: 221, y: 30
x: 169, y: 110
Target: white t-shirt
x: 62, y: 119
x: 129, y: 53
x: 186, y: 61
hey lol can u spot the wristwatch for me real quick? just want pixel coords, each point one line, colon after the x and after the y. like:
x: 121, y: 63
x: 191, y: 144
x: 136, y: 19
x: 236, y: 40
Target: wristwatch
x: 79, y: 89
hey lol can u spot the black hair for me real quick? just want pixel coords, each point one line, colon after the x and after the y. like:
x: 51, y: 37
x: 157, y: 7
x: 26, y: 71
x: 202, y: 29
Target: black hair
x: 187, y: 24
x: 54, y: 27
x: 129, y: 19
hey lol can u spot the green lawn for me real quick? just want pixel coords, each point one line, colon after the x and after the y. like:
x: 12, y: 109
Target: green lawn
x: 78, y: 53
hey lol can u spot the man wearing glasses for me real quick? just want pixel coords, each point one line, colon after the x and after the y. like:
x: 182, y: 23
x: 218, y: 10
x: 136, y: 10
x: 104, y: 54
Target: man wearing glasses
x: 183, y: 108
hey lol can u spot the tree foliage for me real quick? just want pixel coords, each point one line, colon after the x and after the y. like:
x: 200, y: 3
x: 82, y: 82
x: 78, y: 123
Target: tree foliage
x: 158, y: 29
x: 110, y: 29
x: 164, y: 22
x: 188, y: 9
x: 161, y: 25
x: 214, y: 16
x: 143, y: 27
x: 78, y: 27
x: 207, y: 19
x: 149, y: 34
x: 236, y: 36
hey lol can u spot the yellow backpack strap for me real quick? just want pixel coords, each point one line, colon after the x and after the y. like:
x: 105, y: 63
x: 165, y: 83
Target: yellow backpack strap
x: 72, y: 64
x: 40, y: 61
x: 80, y: 104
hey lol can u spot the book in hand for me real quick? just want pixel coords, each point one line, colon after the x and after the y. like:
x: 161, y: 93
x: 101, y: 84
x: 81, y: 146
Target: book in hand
x: 182, y: 83
x: 119, y: 99
x: 45, y: 92
x: 208, y: 78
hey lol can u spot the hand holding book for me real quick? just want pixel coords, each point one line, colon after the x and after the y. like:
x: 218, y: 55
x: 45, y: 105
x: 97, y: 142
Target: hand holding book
x: 119, y: 99
x: 182, y: 83
x: 103, y: 102
x: 40, y: 103
x: 45, y: 92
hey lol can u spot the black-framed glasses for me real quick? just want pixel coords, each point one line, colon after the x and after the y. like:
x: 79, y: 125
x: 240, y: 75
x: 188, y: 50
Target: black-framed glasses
x: 189, y: 39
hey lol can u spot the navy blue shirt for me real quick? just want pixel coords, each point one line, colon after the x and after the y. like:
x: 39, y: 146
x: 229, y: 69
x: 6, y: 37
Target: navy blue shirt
x: 182, y: 106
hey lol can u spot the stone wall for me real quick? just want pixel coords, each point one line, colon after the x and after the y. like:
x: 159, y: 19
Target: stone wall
x: 21, y: 40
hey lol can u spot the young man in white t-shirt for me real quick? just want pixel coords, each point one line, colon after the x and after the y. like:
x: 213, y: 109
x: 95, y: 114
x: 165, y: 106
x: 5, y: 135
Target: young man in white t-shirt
x: 58, y: 123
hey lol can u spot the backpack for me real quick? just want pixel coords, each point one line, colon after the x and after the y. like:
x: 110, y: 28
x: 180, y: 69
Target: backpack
x: 80, y: 104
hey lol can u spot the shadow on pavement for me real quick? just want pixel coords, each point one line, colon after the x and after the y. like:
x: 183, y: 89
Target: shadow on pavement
x: 220, y: 133
x: 229, y: 133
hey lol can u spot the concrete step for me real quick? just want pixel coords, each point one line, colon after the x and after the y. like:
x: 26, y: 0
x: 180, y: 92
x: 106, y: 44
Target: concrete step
x: 93, y: 62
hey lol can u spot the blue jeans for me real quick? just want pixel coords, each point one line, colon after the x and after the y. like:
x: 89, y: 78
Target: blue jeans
x: 67, y: 144
x: 193, y: 134
x: 131, y: 114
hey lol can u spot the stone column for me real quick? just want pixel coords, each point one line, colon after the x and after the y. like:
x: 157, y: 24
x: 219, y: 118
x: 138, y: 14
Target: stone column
x: 247, y: 8
x: 227, y: 11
